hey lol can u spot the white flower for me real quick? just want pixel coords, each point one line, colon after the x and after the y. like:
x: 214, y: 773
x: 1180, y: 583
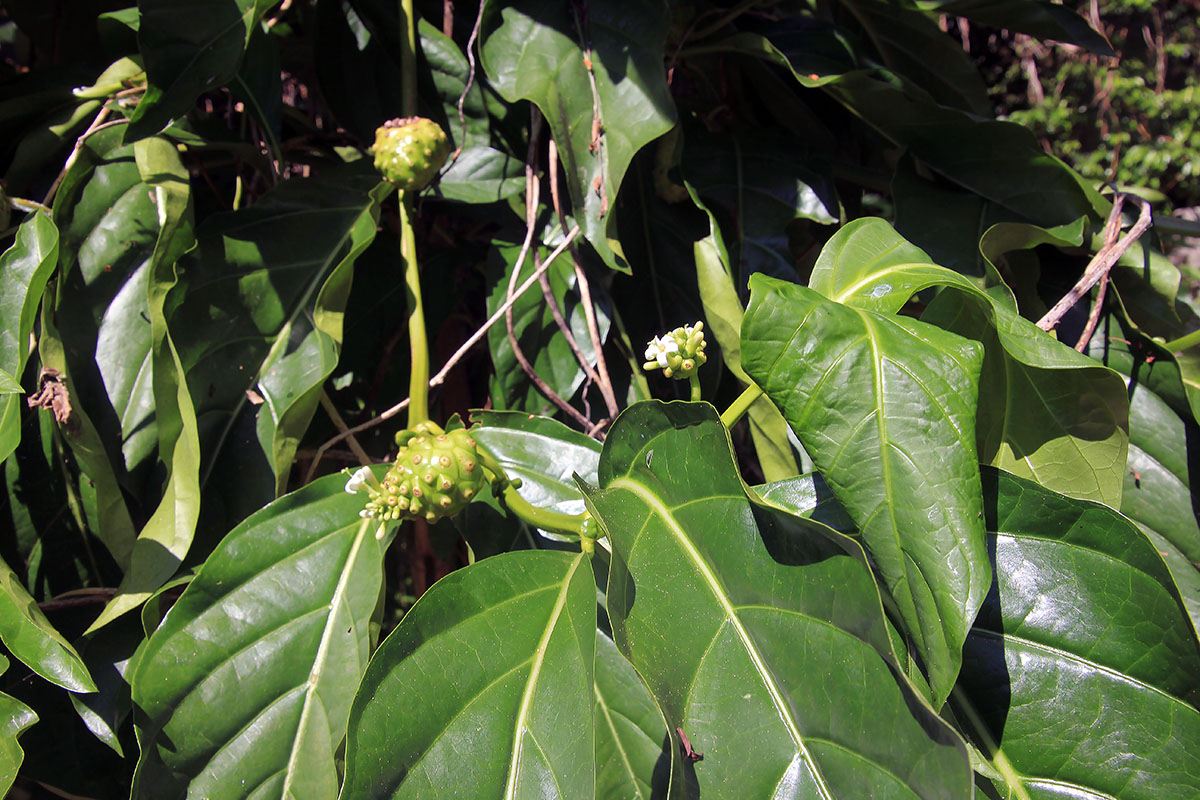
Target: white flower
x: 358, y: 480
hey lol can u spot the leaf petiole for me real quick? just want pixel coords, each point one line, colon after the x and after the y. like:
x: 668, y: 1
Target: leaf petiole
x: 731, y: 415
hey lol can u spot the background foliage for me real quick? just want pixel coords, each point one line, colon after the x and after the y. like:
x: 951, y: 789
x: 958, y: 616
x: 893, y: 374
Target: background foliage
x: 940, y: 544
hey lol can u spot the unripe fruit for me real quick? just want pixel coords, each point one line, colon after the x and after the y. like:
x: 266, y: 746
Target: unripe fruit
x: 410, y: 151
x: 435, y: 476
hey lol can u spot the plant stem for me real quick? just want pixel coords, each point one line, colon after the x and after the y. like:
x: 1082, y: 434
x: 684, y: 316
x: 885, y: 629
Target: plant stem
x: 418, y: 383
x: 542, y: 518
x: 695, y: 382
x: 408, y: 59
x: 1183, y: 342
x: 731, y: 415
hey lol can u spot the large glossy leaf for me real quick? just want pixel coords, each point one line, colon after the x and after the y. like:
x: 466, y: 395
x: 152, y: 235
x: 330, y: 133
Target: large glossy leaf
x: 760, y: 633
x: 633, y: 750
x: 24, y: 269
x: 17, y: 718
x: 30, y: 637
x: 245, y: 688
x: 188, y: 47
x: 1031, y: 420
x: 165, y: 539
x: 1082, y: 666
x: 539, y: 50
x: 886, y: 408
x: 485, y: 688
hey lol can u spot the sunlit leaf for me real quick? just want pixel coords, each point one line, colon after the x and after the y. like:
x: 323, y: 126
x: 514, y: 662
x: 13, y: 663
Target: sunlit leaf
x: 885, y: 406
x: 486, y: 686
x: 760, y: 633
x: 246, y: 686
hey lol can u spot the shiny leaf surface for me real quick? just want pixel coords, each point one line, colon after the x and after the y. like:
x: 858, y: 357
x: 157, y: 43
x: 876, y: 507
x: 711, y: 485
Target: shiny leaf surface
x: 1082, y: 665
x: 760, y: 633
x: 886, y: 408
x: 633, y: 749
x: 486, y: 683
x: 246, y: 686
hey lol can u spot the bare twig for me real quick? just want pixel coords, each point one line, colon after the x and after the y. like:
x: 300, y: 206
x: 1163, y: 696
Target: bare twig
x: 532, y: 199
x: 1102, y: 262
x: 341, y: 425
x: 439, y: 378
x: 462, y: 98
x: 600, y: 374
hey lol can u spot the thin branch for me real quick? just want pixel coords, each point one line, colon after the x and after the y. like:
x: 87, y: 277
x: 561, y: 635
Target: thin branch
x: 600, y: 375
x: 98, y: 124
x: 462, y: 98
x: 341, y: 425
x: 532, y: 199
x: 440, y: 378
x: 1102, y: 262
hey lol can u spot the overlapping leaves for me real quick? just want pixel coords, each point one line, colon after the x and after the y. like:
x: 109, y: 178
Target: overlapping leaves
x: 760, y: 633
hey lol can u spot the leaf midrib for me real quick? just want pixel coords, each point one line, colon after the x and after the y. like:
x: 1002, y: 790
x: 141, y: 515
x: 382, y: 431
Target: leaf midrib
x: 657, y: 507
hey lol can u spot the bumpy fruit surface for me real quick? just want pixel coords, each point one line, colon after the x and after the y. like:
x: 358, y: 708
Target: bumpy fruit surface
x: 410, y: 151
x: 434, y: 477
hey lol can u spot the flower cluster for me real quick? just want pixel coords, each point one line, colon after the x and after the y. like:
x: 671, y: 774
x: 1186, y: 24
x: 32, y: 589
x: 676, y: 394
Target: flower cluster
x: 678, y: 353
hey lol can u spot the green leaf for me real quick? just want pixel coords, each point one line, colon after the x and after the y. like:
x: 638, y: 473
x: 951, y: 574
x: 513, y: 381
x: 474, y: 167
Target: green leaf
x: 1082, y: 666
x: 1037, y: 18
x: 449, y: 71
x: 634, y: 752
x: 305, y: 350
x: 885, y: 406
x: 246, y: 686
x: 189, y: 47
x: 31, y: 638
x: 760, y: 633
x: 25, y: 267
x: 17, y: 717
x: 166, y: 537
x: 9, y: 384
x: 485, y: 688
x: 1030, y: 420
x: 911, y: 44
x: 723, y: 311
x: 538, y: 50
x: 481, y: 175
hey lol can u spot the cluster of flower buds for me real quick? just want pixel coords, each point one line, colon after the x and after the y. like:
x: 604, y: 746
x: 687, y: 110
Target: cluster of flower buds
x: 435, y: 476
x: 678, y: 353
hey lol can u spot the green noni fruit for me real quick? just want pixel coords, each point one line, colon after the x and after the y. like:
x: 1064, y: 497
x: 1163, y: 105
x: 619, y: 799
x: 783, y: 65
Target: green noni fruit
x: 410, y: 151
x: 435, y: 476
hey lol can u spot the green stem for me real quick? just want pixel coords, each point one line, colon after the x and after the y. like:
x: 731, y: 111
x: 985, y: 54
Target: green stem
x: 418, y: 383
x: 1183, y: 342
x: 731, y: 415
x: 408, y: 59
x: 695, y: 382
x: 542, y: 518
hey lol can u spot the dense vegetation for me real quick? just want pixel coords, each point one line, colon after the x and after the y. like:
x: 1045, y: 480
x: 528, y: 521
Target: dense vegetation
x: 779, y: 423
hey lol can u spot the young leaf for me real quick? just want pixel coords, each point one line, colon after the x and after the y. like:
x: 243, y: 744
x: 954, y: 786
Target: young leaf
x: 885, y: 406
x: 24, y: 270
x: 486, y: 683
x: 31, y: 638
x: 1082, y: 666
x: 760, y: 633
x: 553, y: 54
x: 167, y: 536
x: 248, y: 681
